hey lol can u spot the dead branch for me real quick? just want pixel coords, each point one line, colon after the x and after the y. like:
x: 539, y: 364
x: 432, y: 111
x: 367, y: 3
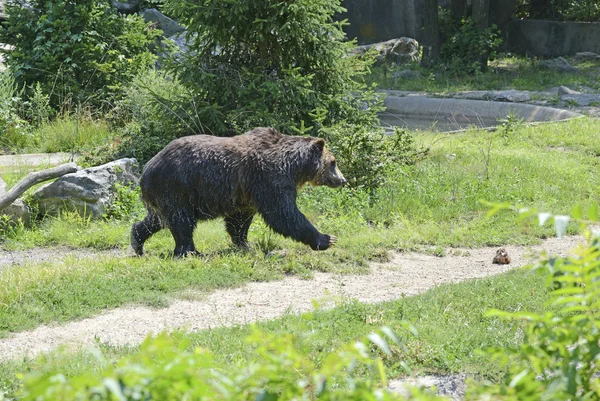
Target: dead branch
x: 35, y: 178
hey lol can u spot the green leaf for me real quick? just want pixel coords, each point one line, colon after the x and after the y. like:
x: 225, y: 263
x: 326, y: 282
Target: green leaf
x: 380, y: 343
x: 577, y: 212
x: 593, y: 212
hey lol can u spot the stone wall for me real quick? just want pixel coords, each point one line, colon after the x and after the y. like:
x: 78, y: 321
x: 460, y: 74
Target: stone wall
x: 551, y: 38
x: 380, y: 20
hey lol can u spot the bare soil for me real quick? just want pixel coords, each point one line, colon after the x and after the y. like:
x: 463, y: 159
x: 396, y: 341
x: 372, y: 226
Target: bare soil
x: 406, y: 274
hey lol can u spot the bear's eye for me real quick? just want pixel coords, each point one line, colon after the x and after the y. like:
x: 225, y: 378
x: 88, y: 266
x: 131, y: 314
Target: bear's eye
x: 333, y: 163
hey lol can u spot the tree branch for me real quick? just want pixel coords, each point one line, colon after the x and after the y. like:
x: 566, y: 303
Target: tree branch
x: 35, y: 178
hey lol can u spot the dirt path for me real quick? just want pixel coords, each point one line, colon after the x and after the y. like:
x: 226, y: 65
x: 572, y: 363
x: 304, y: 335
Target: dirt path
x: 405, y: 274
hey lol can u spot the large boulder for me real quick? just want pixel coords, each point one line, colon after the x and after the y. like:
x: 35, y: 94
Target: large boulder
x: 558, y: 64
x: 87, y: 191
x: 167, y: 25
x: 396, y: 51
x: 16, y: 211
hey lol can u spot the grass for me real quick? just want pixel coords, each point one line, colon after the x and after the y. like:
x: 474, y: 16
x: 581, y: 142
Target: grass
x: 506, y: 72
x: 434, y: 204
x: 72, y: 134
x: 449, y: 320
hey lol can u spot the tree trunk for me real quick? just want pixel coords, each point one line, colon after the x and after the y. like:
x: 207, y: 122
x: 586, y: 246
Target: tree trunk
x: 35, y: 178
x: 481, y: 17
x: 431, y: 37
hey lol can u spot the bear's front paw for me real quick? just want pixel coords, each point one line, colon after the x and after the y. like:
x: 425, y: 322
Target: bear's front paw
x: 324, y: 242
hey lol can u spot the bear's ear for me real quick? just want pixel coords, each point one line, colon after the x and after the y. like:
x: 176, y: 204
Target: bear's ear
x: 319, y: 143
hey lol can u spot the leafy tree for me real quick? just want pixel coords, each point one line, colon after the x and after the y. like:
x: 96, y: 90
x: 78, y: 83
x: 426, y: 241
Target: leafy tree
x: 81, y: 50
x: 283, y: 64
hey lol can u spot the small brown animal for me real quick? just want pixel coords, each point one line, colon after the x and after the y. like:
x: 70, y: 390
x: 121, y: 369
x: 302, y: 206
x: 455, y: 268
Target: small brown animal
x: 203, y: 177
x: 501, y: 257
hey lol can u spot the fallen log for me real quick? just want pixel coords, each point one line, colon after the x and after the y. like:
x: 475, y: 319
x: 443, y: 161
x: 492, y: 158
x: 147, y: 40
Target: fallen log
x: 35, y: 178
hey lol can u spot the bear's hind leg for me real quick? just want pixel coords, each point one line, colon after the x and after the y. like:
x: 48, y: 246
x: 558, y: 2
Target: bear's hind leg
x: 182, y: 228
x: 237, y: 226
x: 142, y: 230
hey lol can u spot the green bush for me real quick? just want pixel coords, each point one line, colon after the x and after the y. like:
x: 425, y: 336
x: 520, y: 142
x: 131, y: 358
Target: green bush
x: 165, y: 370
x: 79, y: 51
x: 14, y: 130
x: 464, y: 44
x: 365, y: 156
x: 264, y: 63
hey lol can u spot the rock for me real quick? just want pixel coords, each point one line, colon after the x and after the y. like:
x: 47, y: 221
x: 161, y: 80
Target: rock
x: 396, y: 51
x: 167, y: 25
x: 127, y: 7
x: 452, y: 386
x: 496, y: 96
x: 18, y: 210
x: 587, y: 56
x: 563, y: 90
x: 581, y: 99
x: 510, y: 96
x: 406, y: 74
x: 88, y: 191
x: 558, y: 64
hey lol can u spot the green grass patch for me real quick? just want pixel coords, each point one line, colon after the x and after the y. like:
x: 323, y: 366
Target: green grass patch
x: 506, y: 72
x: 449, y: 319
x: 433, y: 204
x: 72, y: 134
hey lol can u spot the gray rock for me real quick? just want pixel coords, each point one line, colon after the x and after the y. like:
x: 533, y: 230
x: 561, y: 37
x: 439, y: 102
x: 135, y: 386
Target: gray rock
x: 406, y: 74
x: 162, y: 22
x: 18, y: 210
x: 396, y: 51
x: 563, y: 90
x: 88, y: 191
x: 452, y: 386
x: 127, y: 7
x: 496, y: 96
x: 581, y: 99
x: 587, y: 56
x: 510, y: 96
x: 558, y: 64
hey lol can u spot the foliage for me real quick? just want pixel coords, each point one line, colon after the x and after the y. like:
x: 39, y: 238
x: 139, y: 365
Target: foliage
x: 279, y: 64
x: 465, y: 43
x: 14, y: 130
x: 164, y: 370
x: 364, y: 155
x: 125, y: 203
x: 558, y: 357
x: 79, y: 51
x: 71, y: 133
x: 571, y: 10
x: 157, y: 109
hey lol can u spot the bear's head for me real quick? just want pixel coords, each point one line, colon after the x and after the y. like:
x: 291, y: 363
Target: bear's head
x: 327, y: 172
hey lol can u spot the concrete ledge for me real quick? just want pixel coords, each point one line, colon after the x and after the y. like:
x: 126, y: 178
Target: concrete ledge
x: 420, y: 112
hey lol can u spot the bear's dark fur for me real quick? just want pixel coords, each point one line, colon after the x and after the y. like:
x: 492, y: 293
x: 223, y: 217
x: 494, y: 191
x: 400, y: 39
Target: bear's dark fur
x: 202, y: 177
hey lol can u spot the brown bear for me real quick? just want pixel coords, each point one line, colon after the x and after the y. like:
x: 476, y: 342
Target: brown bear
x: 202, y: 177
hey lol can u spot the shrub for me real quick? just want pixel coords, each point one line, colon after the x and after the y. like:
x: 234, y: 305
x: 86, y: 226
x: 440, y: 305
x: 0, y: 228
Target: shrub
x: 464, y: 44
x: 79, y: 51
x: 260, y: 63
x: 14, y: 130
x: 165, y: 370
x: 365, y: 156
